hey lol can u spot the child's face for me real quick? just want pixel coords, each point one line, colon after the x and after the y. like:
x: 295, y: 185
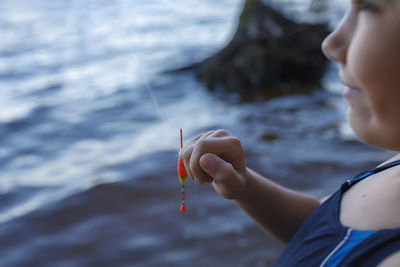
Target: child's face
x: 367, y: 47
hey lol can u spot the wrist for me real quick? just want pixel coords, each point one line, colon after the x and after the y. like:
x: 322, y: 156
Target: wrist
x: 247, y: 177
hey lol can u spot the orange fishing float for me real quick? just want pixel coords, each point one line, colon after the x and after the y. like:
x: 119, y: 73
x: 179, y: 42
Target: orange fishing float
x: 182, y: 174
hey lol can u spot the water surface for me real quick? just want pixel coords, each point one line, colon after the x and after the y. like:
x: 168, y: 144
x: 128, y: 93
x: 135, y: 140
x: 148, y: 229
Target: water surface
x: 89, y: 134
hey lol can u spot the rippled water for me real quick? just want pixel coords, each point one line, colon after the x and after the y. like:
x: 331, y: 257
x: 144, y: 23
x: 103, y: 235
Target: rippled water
x: 89, y: 134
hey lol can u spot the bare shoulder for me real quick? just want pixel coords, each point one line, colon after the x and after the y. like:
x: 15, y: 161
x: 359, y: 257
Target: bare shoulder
x: 394, y: 158
x: 373, y: 203
x: 391, y: 261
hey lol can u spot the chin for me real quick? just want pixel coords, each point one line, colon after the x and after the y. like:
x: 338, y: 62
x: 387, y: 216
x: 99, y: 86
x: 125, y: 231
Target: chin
x: 369, y: 131
x: 377, y: 139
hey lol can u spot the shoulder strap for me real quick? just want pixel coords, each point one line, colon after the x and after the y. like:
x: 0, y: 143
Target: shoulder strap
x: 367, y: 173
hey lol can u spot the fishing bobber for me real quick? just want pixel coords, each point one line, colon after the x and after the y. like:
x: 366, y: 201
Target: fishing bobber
x: 182, y: 174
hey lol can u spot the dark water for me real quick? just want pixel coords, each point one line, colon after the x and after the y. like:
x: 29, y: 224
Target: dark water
x: 89, y: 132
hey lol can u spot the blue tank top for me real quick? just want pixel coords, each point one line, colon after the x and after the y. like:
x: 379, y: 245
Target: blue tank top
x: 323, y: 241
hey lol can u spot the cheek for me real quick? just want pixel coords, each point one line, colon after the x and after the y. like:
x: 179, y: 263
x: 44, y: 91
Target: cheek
x: 374, y: 61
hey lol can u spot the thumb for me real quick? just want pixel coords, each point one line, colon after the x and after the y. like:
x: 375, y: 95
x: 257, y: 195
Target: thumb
x: 216, y: 167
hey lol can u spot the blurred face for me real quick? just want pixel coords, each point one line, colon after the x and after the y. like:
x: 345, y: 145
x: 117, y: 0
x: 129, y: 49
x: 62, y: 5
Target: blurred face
x: 367, y: 47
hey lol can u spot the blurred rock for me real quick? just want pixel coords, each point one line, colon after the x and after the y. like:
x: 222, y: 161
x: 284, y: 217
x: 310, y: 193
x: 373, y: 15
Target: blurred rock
x: 268, y: 55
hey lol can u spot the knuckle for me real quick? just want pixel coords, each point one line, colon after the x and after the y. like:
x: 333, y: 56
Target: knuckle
x: 196, y: 137
x: 186, y: 153
x: 193, y: 166
x: 201, y: 144
x: 236, y: 141
x: 221, y: 132
x: 206, y: 134
x: 199, y: 136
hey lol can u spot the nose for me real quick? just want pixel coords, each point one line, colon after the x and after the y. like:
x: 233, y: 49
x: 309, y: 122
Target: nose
x: 336, y: 44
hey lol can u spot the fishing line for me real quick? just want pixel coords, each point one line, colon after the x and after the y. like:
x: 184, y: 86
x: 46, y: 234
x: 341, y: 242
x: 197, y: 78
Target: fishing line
x: 163, y: 120
x: 160, y: 114
x: 150, y: 90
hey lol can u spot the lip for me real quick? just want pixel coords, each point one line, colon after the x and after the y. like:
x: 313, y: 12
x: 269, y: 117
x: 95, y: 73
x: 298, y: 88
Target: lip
x: 350, y: 92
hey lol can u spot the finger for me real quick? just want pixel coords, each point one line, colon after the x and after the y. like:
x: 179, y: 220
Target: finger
x: 185, y: 154
x: 227, y: 148
x: 220, y: 170
x: 226, y: 181
x: 219, y: 133
x: 201, y: 136
x: 198, y: 173
x: 205, y: 135
x: 192, y: 168
x: 197, y: 137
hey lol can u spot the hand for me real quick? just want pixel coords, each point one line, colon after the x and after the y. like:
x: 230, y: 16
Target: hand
x: 216, y: 157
